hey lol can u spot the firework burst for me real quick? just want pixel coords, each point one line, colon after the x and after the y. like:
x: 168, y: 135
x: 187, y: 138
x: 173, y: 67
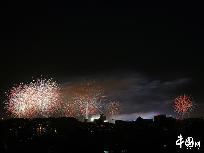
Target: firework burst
x: 39, y: 98
x: 113, y: 108
x: 86, y: 100
x: 182, y: 105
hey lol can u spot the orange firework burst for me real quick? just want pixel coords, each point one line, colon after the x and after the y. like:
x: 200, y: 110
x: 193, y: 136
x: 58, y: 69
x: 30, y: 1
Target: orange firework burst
x: 86, y: 100
x: 182, y: 105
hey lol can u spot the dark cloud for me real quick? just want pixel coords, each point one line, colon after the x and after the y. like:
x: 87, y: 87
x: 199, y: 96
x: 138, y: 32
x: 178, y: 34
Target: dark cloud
x: 144, y: 95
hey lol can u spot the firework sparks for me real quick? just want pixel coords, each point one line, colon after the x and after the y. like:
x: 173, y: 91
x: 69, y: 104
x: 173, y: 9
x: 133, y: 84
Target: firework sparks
x: 86, y: 100
x: 113, y: 108
x: 182, y: 105
x: 39, y: 98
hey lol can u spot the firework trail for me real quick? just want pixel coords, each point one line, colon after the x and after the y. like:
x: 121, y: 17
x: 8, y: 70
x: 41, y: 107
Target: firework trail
x: 39, y: 98
x: 182, y: 105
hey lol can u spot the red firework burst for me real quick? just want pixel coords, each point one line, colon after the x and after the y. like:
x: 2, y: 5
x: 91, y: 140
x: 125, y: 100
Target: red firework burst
x: 113, y: 108
x: 183, y: 104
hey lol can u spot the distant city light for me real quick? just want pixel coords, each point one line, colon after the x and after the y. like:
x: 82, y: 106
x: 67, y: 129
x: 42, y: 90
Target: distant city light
x: 94, y: 117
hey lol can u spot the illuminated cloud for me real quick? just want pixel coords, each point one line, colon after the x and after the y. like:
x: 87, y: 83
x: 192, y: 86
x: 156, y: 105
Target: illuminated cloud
x: 138, y: 95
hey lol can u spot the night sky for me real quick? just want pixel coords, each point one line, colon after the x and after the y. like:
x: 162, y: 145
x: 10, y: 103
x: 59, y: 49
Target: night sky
x: 143, y: 54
